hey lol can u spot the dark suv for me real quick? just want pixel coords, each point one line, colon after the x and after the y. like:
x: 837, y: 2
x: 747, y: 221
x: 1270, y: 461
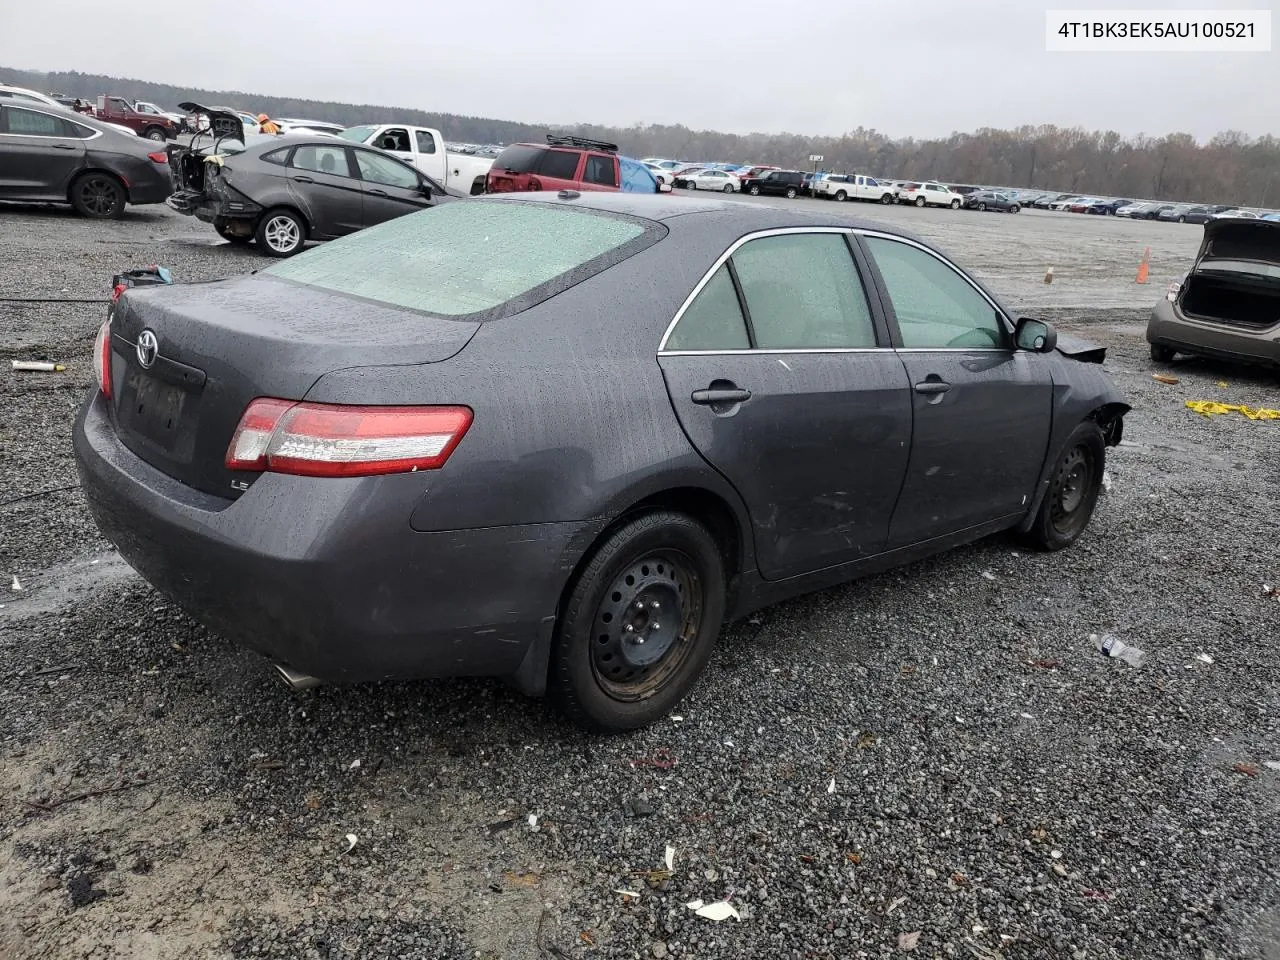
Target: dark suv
x: 563, y: 163
x: 781, y: 183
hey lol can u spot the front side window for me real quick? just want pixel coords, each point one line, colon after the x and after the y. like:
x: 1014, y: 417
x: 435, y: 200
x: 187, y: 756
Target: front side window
x: 378, y: 169
x: 395, y: 138
x: 935, y: 306
x: 31, y: 123
x: 320, y: 159
x: 803, y: 291
x: 714, y: 320
x: 600, y: 170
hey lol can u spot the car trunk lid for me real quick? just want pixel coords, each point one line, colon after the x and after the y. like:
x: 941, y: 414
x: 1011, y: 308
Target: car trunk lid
x: 177, y: 399
x: 1236, y: 277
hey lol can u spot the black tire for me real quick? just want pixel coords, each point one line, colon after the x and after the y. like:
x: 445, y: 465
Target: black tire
x: 1015, y: 208
x: 919, y: 201
x: 982, y: 206
x: 220, y: 225
x: 1162, y: 354
x: 755, y: 191
x: 691, y: 185
x: 1182, y: 219
x: 99, y: 196
x: 955, y: 204
x: 728, y: 188
x: 602, y: 678
x: 888, y: 198
x: 791, y: 193
x: 155, y: 133
x: 841, y: 195
x: 1073, y: 490
x: 276, y: 238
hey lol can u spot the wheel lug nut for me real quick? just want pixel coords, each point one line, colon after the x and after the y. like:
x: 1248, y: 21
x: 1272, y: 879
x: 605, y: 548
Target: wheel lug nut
x: 630, y: 629
x: 656, y: 625
x: 655, y: 605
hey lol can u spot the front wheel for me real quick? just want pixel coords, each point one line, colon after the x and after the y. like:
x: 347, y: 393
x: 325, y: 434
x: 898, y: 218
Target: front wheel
x: 281, y: 233
x: 728, y: 188
x: 1073, y: 490
x: 691, y: 185
x: 888, y: 198
x: 1015, y: 208
x: 955, y: 204
x: 791, y: 193
x: 919, y: 201
x: 155, y: 133
x: 982, y: 206
x: 1182, y: 219
x: 755, y: 191
x: 639, y: 623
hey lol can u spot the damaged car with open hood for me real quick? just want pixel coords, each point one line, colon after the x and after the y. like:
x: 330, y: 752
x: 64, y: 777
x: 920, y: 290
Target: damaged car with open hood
x: 283, y: 191
x: 1228, y: 304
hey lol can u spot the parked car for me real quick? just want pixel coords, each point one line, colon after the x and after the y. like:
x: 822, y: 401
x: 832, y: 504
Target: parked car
x: 717, y: 180
x: 562, y: 163
x: 847, y: 186
x: 1106, y: 208
x: 298, y: 125
x: 778, y: 183
x: 1271, y: 216
x: 1204, y: 214
x: 353, y: 477
x: 1235, y: 214
x: 283, y: 190
x: 1049, y: 199
x: 50, y: 154
x: 150, y: 109
x: 1136, y: 211
x: 929, y: 194
x: 991, y: 200
x: 424, y: 148
x: 77, y: 106
x: 1228, y: 304
x: 744, y: 173
x: 808, y: 181
x: 121, y: 111
x: 1177, y: 213
x: 1153, y: 212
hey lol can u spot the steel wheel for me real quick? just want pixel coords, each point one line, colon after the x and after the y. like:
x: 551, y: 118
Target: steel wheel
x: 98, y: 195
x: 155, y: 133
x: 841, y: 195
x: 1072, y: 494
x: 791, y: 193
x: 645, y: 624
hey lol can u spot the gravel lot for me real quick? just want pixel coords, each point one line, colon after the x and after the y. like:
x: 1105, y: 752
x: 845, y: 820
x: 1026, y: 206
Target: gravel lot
x: 936, y: 756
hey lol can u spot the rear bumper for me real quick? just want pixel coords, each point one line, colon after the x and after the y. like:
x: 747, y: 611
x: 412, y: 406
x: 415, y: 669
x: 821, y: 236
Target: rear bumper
x: 312, y: 574
x: 1169, y: 328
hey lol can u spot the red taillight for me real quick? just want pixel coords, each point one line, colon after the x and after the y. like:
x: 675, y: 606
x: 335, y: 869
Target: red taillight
x: 333, y: 440
x: 118, y: 289
x: 102, y: 358
x: 159, y: 157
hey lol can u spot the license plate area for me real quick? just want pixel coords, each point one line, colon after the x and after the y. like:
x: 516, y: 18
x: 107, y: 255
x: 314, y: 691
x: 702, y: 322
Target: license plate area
x: 154, y: 410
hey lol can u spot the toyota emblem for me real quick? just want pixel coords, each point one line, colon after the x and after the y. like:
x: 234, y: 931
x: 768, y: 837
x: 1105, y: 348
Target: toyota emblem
x: 148, y: 348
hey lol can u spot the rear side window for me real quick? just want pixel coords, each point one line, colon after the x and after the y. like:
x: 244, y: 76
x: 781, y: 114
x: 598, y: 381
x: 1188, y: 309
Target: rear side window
x: 32, y: 123
x: 277, y: 156
x: 559, y: 164
x: 330, y: 160
x: 426, y: 142
x: 803, y: 291
x: 471, y: 256
x: 519, y: 159
x: 714, y: 320
x: 600, y: 170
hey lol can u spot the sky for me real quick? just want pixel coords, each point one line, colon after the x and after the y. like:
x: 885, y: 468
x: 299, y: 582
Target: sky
x: 918, y: 68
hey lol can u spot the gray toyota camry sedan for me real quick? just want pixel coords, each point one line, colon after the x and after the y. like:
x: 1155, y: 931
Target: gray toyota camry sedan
x: 563, y: 438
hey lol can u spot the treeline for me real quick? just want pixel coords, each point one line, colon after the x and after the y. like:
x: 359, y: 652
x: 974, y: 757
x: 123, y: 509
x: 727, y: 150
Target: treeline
x: 1231, y: 168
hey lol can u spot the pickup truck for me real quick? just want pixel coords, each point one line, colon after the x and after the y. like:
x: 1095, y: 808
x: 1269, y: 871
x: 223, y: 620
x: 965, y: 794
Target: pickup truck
x: 425, y: 149
x: 848, y: 186
x: 120, y: 111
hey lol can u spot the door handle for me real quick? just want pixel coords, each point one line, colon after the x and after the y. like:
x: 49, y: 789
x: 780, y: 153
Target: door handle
x: 711, y: 397
x: 933, y: 386
x: 303, y: 180
x: 63, y: 146
x: 378, y: 193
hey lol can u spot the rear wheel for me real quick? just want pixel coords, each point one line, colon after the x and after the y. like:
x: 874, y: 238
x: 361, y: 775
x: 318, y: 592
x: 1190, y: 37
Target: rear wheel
x: 791, y: 193
x: 728, y: 188
x: 155, y: 133
x: 1162, y: 354
x: 691, y: 185
x: 1182, y: 219
x: 919, y: 201
x: 888, y: 198
x: 98, y: 195
x: 639, y: 624
x: 982, y: 206
x: 1073, y: 490
x: 841, y: 195
x: 281, y: 233
x: 755, y: 191
x: 955, y: 204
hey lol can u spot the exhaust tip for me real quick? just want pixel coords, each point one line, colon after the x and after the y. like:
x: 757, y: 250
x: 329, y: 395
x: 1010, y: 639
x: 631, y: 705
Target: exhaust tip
x: 295, y: 680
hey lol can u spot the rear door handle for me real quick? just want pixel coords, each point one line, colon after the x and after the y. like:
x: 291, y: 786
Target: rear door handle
x: 303, y: 180
x: 378, y: 193
x: 932, y: 386
x: 63, y: 146
x: 709, y: 397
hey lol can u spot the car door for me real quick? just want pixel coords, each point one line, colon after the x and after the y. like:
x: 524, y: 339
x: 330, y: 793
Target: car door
x: 326, y: 189
x: 600, y: 172
x: 390, y: 188
x: 982, y: 409
x: 39, y: 153
x: 782, y: 378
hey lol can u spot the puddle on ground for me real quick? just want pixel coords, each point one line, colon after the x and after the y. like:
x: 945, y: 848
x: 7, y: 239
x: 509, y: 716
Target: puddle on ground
x: 49, y: 590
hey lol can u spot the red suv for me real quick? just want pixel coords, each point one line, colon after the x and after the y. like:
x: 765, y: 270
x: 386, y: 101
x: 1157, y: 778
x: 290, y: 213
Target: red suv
x: 564, y: 163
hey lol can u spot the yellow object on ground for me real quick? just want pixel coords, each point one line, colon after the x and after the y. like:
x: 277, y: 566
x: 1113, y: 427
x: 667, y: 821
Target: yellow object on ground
x: 1209, y: 408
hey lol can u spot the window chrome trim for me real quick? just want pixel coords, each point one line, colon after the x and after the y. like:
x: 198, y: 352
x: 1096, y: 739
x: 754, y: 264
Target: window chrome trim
x: 768, y: 350
x: 720, y: 262
x: 1009, y: 325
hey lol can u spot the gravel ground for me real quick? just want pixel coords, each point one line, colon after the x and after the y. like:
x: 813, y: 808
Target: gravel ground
x: 934, y: 761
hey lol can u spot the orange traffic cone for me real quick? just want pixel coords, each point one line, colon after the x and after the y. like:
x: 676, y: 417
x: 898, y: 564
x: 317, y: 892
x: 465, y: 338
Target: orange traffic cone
x: 1145, y: 266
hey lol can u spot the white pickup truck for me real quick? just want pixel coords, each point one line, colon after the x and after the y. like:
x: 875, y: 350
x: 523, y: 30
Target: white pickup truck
x: 848, y: 186
x: 425, y: 149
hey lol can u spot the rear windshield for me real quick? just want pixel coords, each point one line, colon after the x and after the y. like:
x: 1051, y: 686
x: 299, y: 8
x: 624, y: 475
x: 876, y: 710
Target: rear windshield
x: 472, y: 257
x: 357, y: 134
x: 519, y: 159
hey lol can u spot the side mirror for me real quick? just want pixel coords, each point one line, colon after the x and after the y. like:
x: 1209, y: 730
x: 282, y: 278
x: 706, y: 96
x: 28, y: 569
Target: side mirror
x: 426, y: 189
x: 1035, y: 335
